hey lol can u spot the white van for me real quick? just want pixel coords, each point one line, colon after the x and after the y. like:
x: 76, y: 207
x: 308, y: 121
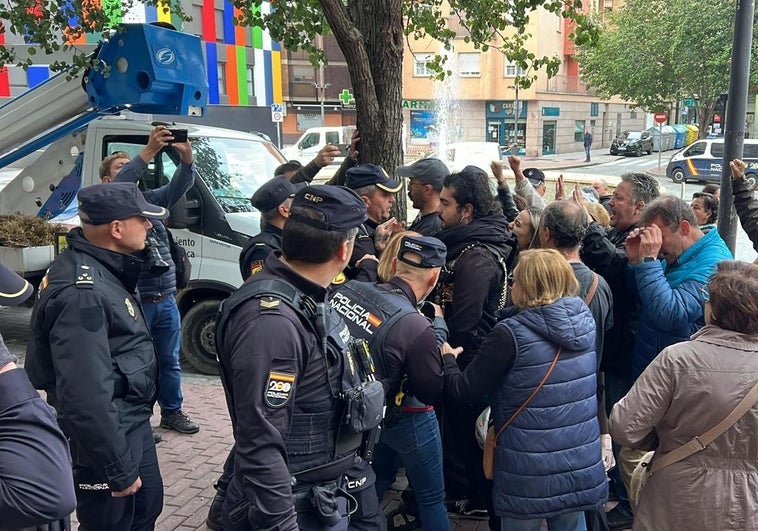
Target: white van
x: 315, y: 138
x: 703, y: 161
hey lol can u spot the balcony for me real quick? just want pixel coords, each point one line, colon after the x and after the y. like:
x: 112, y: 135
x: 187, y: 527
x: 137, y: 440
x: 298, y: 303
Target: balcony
x: 567, y: 85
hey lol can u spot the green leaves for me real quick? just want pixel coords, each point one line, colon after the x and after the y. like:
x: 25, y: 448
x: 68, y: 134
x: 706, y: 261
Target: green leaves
x: 653, y: 52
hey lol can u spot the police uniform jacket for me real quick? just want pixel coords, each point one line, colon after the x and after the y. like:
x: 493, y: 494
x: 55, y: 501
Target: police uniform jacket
x: 92, y: 353
x: 274, y: 378
x: 37, y: 487
x: 257, y: 248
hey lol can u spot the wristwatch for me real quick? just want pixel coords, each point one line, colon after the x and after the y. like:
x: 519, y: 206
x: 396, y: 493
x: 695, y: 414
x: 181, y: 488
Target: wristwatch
x: 649, y: 259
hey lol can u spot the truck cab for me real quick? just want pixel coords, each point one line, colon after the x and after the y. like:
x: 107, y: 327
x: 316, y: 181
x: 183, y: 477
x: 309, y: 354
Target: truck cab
x: 56, y: 135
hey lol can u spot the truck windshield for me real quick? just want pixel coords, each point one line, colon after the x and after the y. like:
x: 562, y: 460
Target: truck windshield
x: 233, y: 168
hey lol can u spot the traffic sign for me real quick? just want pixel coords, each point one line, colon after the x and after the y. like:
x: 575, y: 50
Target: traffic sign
x: 660, y: 117
x: 277, y: 112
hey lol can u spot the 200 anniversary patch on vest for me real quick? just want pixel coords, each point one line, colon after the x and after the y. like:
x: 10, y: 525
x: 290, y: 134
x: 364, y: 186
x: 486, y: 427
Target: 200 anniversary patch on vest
x: 278, y: 388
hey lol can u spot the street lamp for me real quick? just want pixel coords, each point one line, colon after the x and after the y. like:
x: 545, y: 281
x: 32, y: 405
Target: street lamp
x: 320, y: 85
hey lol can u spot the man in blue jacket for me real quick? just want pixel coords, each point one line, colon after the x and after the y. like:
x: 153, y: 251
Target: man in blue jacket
x: 157, y: 291
x: 671, y: 290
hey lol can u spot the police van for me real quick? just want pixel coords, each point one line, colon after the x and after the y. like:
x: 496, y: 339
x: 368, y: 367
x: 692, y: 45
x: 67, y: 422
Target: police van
x: 703, y: 161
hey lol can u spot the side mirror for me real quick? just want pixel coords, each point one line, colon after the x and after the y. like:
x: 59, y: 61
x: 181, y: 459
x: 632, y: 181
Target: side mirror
x: 185, y: 213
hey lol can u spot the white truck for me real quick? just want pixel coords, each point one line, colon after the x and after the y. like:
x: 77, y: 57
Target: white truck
x: 56, y: 138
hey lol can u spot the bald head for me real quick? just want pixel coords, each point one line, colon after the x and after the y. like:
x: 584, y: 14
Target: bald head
x: 563, y: 225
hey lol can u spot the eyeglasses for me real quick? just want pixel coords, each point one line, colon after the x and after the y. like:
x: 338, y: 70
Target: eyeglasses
x: 704, y: 292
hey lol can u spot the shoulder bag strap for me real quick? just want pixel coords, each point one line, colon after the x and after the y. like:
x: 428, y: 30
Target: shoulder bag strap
x: 536, y: 390
x: 593, y: 288
x: 700, y: 443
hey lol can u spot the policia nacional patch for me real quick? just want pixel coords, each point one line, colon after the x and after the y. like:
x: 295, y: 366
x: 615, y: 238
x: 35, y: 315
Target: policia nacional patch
x: 278, y: 388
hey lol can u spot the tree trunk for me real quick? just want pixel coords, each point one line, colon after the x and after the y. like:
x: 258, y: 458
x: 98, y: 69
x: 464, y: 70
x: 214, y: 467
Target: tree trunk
x: 370, y: 35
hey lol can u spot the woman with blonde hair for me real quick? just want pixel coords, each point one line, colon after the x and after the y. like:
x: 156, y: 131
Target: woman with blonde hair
x: 537, y: 367
x: 689, y: 388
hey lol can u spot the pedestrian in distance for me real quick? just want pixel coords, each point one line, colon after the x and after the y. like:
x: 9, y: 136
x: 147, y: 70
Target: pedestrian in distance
x: 587, y: 141
x: 91, y: 351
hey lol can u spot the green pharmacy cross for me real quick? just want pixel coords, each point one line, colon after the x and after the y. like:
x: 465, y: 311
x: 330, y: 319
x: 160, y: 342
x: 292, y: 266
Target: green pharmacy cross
x: 346, y: 97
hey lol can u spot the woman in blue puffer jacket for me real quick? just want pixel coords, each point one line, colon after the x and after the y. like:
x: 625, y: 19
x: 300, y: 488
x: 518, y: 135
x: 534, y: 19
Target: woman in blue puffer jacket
x: 548, y: 463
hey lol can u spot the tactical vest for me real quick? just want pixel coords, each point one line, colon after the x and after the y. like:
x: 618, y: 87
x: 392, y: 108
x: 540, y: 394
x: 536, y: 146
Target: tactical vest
x: 346, y: 373
x: 445, y: 291
x: 370, y: 313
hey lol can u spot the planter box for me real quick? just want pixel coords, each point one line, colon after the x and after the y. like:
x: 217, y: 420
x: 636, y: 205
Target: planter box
x: 24, y: 260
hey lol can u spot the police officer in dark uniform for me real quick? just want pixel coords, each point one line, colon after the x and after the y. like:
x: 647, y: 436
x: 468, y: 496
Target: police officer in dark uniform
x: 290, y: 378
x: 33, y: 450
x: 404, y: 346
x: 378, y: 191
x: 92, y: 353
x: 273, y: 200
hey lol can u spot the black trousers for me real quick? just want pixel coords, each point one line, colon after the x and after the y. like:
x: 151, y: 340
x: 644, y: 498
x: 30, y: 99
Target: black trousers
x: 361, y: 485
x: 97, y: 510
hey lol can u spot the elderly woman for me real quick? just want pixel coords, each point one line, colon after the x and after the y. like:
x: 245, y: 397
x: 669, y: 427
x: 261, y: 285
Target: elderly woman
x: 688, y: 389
x: 547, y: 461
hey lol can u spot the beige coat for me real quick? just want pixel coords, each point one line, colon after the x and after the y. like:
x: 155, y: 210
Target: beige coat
x: 689, y: 388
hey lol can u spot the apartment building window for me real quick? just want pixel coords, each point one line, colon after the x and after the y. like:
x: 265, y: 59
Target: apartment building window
x: 513, y: 70
x: 303, y: 74
x: 249, y: 79
x: 579, y: 131
x: 594, y: 109
x: 421, y: 65
x: 469, y: 65
x: 221, y: 69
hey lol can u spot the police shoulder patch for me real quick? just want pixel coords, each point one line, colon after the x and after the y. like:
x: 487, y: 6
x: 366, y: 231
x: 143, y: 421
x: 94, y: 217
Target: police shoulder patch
x: 278, y: 389
x: 256, y: 266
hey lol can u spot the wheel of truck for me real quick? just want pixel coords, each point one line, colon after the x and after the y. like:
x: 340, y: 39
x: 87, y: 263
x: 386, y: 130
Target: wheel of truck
x: 678, y: 175
x: 198, y: 339
x: 751, y: 180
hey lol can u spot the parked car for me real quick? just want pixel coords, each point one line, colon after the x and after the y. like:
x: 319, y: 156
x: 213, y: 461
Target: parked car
x: 632, y: 143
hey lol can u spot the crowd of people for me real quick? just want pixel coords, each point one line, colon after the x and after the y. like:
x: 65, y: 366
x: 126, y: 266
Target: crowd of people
x: 590, y: 330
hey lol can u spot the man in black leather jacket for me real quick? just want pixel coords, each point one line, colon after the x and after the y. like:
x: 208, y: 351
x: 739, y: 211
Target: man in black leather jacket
x: 470, y: 291
x: 92, y: 353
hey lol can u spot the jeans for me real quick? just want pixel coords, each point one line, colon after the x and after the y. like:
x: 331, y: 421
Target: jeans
x: 165, y: 326
x: 587, y: 152
x: 564, y: 522
x: 415, y: 440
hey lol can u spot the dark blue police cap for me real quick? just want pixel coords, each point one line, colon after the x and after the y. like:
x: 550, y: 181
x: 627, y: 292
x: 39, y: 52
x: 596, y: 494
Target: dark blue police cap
x: 272, y: 194
x: 333, y: 207
x: 535, y: 176
x: 368, y: 174
x: 105, y: 202
x: 432, y: 251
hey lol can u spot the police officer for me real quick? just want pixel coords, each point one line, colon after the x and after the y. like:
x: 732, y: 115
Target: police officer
x: 91, y: 351
x: 33, y: 450
x: 405, y: 349
x: 378, y: 191
x: 273, y: 200
x: 285, y: 368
